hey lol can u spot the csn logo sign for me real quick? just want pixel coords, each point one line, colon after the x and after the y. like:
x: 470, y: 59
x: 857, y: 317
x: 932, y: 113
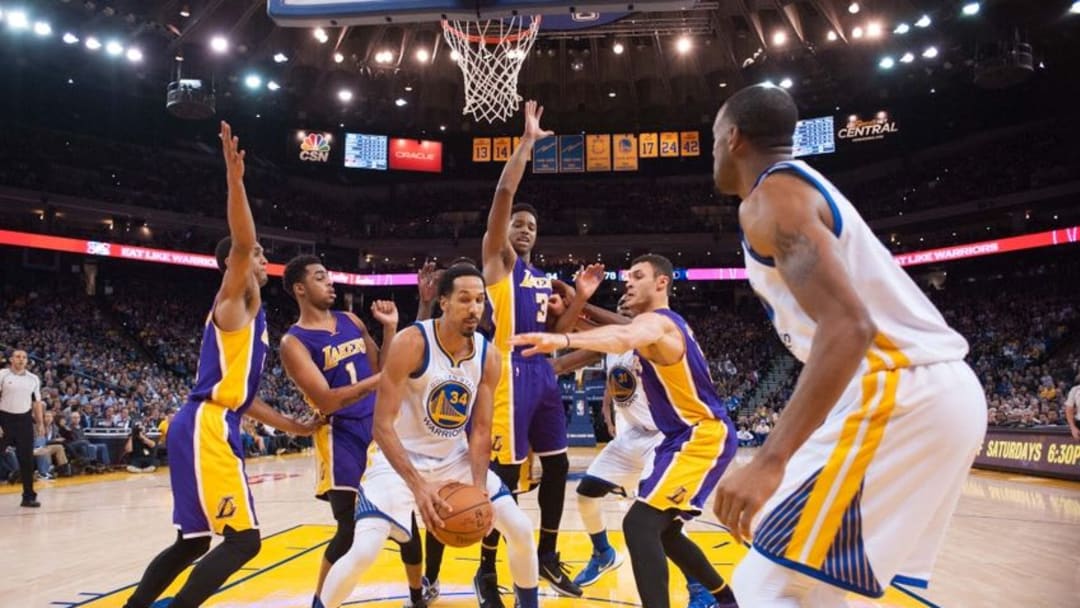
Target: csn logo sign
x: 314, y: 147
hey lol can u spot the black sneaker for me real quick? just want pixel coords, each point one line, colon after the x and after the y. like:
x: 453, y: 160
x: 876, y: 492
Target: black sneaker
x: 30, y: 502
x: 557, y: 573
x: 487, y: 590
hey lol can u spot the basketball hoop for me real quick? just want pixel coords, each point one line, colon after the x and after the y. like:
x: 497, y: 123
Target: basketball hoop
x: 490, y: 54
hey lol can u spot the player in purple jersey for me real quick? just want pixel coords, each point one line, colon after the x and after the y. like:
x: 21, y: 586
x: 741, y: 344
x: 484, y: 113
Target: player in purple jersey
x: 206, y: 458
x: 699, y: 438
x: 333, y: 360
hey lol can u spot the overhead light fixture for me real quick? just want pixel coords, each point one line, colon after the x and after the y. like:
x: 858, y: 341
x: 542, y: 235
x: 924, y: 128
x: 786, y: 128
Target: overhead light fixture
x: 219, y: 44
x: 902, y: 28
x: 345, y: 95
x: 338, y: 57
x: 384, y: 56
x: 618, y: 48
x: 70, y: 38
x: 422, y: 55
x: 723, y: 85
x: 1075, y: 8
x: 683, y: 45
x: 442, y: 127
x: 252, y: 81
x: 273, y: 86
x: 408, y: 88
x: 92, y: 43
x: 853, y: 8
x: 873, y: 29
x: 786, y: 83
x: 768, y: 84
x: 134, y: 55
x: 320, y: 35
x: 886, y: 63
x: 930, y: 52
x: 114, y: 48
x: 280, y: 57
x: 611, y: 94
x: 923, y: 21
x: 42, y: 28
x: 17, y: 20
x: 779, y: 38
x: 401, y: 102
x: 185, y: 12
x: 970, y: 9
x: 179, y: 58
x: 856, y: 32
x: 455, y: 56
x: 907, y: 58
x: 831, y: 36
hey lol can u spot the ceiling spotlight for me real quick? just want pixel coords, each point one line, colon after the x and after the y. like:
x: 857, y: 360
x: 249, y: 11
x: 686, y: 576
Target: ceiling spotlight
x: 344, y: 95
x: 886, y: 63
x: 618, y: 48
x: 923, y: 21
x: 683, y: 45
x: 970, y: 9
x: 280, y: 57
x: 70, y: 38
x: 442, y: 127
x: 179, y: 58
x: 400, y: 102
x: 92, y: 43
x: 930, y: 52
x: 42, y: 28
x: 611, y: 94
x: 252, y: 81
x: 17, y: 20
x: 1075, y: 8
x: 723, y: 85
x: 902, y: 28
x: 786, y: 83
x: 422, y: 55
x: 320, y: 35
x: 114, y: 48
x: 273, y: 86
x: 219, y: 44
x: 873, y: 29
x: 831, y: 36
x: 408, y: 88
x: 907, y: 58
x: 185, y: 12
x: 134, y: 55
x: 577, y: 65
x: 454, y: 55
x: 856, y: 32
x: 338, y: 57
x: 779, y: 38
x: 768, y: 84
x: 853, y: 8
x: 384, y: 56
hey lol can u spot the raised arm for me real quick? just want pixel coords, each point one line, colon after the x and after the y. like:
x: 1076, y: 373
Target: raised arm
x: 311, y: 382
x: 427, y: 279
x: 232, y: 309
x: 404, y: 357
x: 482, y: 412
x: 785, y: 218
x: 585, y: 285
x: 386, y: 313
x: 497, y: 252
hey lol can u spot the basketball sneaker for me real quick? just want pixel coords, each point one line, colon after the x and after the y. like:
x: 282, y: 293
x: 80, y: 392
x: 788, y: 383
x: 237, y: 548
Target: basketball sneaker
x: 487, y: 590
x: 701, y: 598
x: 555, y: 572
x: 431, y: 591
x: 598, y: 564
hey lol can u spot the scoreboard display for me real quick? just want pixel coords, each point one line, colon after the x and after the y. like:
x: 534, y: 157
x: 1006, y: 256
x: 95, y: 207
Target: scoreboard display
x: 814, y: 136
x: 365, y: 151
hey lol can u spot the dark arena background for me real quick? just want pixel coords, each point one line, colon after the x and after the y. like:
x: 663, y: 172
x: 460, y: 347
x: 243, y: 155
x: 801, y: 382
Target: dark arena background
x: 951, y: 126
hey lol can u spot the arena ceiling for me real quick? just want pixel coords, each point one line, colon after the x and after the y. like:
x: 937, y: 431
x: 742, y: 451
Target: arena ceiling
x: 826, y: 53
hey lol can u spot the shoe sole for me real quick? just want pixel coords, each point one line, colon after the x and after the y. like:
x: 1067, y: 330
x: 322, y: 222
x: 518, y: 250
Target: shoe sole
x: 615, y: 564
x: 559, y: 590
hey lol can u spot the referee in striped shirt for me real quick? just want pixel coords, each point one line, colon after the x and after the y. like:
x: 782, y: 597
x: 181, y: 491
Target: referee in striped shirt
x: 21, y: 411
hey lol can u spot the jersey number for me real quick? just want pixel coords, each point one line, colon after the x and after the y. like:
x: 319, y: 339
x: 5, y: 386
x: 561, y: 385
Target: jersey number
x: 351, y: 368
x: 542, y: 302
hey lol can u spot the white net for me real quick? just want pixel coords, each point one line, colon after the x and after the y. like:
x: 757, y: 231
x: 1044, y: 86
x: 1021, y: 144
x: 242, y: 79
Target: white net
x: 490, y: 54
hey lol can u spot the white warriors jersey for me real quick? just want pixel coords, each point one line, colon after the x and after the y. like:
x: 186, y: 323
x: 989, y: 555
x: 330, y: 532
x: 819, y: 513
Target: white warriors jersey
x: 630, y: 405
x: 911, y: 330
x: 439, y: 399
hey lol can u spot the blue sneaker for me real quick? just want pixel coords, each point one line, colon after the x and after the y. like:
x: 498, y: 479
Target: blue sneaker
x: 431, y: 591
x: 700, y: 597
x: 598, y: 564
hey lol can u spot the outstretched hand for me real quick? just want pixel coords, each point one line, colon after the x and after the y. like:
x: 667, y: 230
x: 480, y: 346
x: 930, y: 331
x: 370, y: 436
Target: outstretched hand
x: 533, y: 131
x: 540, y: 343
x: 234, y: 156
x: 427, y: 280
x: 385, y: 312
x: 588, y: 279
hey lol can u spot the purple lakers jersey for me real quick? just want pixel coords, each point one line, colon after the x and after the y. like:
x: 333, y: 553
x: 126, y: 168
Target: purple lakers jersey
x: 682, y: 394
x: 230, y: 364
x: 341, y: 356
x: 518, y: 304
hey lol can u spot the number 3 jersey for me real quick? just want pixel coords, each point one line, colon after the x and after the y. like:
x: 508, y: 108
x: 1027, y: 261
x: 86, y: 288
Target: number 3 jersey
x: 518, y: 304
x: 439, y: 398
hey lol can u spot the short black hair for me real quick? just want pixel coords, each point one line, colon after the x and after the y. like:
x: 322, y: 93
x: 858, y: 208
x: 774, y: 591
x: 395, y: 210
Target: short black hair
x: 661, y: 266
x: 446, y: 281
x: 764, y: 114
x: 525, y: 207
x: 464, y: 260
x: 221, y: 252
x: 296, y: 270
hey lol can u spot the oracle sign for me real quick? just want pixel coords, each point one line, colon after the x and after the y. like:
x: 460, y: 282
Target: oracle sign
x: 416, y: 155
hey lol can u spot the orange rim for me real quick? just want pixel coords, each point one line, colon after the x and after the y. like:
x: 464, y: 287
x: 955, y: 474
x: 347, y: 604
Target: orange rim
x: 476, y: 39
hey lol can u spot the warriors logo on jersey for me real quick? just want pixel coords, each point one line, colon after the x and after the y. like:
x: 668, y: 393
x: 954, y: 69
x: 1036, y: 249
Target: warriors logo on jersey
x: 448, y: 405
x: 622, y: 383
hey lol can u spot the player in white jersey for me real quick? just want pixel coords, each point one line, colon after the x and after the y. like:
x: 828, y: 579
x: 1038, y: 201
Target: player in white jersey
x: 439, y: 376
x: 856, y: 483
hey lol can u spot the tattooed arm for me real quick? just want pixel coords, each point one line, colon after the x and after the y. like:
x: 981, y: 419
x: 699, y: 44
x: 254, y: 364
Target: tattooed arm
x: 787, y: 219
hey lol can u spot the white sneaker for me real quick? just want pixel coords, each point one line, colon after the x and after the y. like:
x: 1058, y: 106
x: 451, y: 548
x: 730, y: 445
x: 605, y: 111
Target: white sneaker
x: 133, y: 469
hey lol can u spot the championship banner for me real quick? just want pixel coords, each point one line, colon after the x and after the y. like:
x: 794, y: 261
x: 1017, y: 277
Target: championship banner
x: 501, y: 152
x: 625, y: 151
x: 689, y: 143
x: 571, y: 154
x: 1045, y: 453
x: 598, y: 153
x: 416, y: 155
x: 481, y: 149
x: 669, y: 144
x: 649, y: 146
x: 546, y: 155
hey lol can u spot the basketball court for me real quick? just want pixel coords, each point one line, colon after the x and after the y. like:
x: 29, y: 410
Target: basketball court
x: 1012, y: 542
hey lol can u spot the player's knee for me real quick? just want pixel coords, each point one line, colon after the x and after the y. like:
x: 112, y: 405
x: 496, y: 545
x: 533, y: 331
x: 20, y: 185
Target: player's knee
x: 514, y: 524
x: 641, y: 524
x: 340, y: 543
x: 594, y: 487
x: 412, y: 553
x: 555, y: 466
x: 245, y: 544
x: 509, y: 474
x: 192, y: 549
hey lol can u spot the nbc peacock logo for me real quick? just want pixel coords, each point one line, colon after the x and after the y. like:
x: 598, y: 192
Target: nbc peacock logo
x: 315, y: 147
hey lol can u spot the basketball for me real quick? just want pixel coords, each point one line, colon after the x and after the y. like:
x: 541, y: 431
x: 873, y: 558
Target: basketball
x: 469, y: 518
